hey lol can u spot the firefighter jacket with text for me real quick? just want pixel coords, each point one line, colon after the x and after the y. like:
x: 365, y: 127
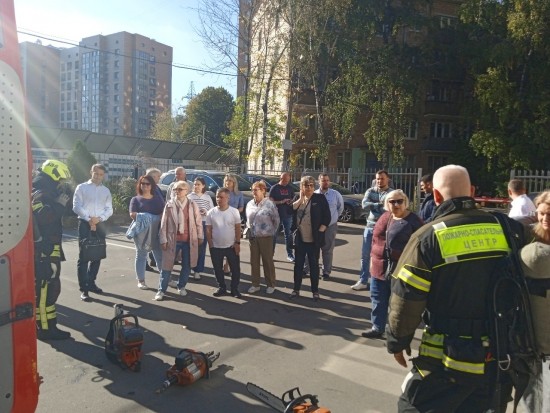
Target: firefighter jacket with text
x: 444, y: 279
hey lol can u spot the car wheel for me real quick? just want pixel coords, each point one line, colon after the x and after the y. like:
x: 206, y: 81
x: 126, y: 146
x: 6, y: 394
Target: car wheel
x: 347, y: 215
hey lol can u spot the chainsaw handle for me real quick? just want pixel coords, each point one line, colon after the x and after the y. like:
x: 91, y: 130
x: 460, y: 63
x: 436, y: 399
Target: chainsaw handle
x: 121, y: 316
x: 299, y: 400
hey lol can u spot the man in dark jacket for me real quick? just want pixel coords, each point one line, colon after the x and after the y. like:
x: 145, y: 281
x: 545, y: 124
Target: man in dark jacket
x: 427, y: 207
x: 445, y: 276
x: 49, y: 199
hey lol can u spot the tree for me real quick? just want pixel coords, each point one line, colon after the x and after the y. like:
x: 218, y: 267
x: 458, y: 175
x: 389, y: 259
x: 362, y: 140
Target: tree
x: 165, y: 127
x: 80, y: 162
x: 509, y: 48
x: 208, y: 115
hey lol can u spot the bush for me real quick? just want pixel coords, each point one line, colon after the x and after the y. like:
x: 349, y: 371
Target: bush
x: 122, y: 191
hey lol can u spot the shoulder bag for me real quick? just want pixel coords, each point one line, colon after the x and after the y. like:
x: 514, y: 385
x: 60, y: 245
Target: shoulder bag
x: 93, y: 248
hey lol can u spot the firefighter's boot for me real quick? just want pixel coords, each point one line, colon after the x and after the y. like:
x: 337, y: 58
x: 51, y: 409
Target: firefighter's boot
x: 52, y: 333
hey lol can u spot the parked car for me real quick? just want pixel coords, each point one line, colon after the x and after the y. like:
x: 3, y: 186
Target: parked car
x: 353, y: 209
x: 269, y: 180
x: 213, y: 180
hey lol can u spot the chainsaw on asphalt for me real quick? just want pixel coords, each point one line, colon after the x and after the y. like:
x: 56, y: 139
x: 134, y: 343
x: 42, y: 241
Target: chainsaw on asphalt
x: 189, y: 366
x: 292, y: 401
x: 124, y: 340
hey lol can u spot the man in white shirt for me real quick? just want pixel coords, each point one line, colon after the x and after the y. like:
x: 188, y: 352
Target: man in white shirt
x: 336, y: 205
x: 93, y: 204
x: 223, y: 233
x: 522, y: 206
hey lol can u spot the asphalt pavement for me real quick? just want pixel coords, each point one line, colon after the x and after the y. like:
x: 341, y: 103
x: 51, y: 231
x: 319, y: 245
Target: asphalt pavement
x: 265, y: 339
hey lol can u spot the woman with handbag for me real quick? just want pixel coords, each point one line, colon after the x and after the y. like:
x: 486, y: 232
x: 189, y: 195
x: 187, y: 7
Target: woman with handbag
x: 145, y: 210
x: 311, y: 219
x: 205, y: 204
x: 262, y: 221
x: 390, y: 235
x: 180, y: 230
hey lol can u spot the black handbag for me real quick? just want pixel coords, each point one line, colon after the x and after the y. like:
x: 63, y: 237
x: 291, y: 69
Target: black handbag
x: 93, y: 248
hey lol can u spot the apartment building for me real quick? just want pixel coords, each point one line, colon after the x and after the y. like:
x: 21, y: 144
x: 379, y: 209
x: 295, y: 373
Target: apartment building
x: 433, y: 119
x: 114, y: 84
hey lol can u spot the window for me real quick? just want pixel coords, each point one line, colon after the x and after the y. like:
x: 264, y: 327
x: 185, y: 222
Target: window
x: 447, y: 21
x: 115, y: 75
x: 343, y: 160
x: 411, y: 131
x: 441, y: 130
x: 310, y: 121
x: 436, y: 162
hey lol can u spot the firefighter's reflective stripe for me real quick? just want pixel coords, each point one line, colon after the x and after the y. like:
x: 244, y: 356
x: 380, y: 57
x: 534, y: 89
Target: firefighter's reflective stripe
x: 56, y: 253
x: 470, y: 239
x: 464, y: 366
x: 43, y: 312
x: 413, y: 280
x: 431, y: 345
x: 36, y: 206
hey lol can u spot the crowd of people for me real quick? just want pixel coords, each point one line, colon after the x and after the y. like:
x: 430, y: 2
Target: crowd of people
x: 435, y: 268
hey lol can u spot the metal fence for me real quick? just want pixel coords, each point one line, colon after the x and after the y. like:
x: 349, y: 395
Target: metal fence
x: 358, y: 181
x: 535, y: 181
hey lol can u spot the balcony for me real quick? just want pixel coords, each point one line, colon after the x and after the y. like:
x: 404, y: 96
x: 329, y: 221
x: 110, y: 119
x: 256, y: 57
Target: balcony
x: 441, y: 108
x: 438, y: 144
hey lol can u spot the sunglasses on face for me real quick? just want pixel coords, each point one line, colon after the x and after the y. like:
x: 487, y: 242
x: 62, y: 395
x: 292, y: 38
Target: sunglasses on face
x: 396, y: 201
x: 308, y: 185
x: 179, y: 189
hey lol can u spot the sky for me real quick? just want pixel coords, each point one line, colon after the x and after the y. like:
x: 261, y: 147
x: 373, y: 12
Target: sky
x: 170, y: 22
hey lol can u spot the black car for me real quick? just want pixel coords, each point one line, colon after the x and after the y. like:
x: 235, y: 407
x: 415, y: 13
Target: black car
x: 353, y: 208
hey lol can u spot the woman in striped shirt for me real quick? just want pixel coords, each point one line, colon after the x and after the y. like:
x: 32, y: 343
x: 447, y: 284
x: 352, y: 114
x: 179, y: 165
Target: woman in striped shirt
x: 205, y: 204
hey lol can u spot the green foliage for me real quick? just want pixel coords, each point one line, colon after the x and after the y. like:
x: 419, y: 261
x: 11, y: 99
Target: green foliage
x: 511, y: 88
x: 122, y: 191
x: 165, y: 127
x: 208, y: 114
x: 80, y: 162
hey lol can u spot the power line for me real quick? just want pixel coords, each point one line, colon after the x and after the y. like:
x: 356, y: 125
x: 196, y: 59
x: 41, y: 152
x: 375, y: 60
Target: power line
x: 175, y: 65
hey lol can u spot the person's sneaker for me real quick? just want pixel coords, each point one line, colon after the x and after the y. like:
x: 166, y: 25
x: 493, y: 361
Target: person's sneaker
x: 372, y: 333
x: 95, y: 289
x: 197, y: 276
x: 253, y: 290
x: 192, y: 272
x: 173, y: 284
x: 142, y: 285
x: 182, y: 292
x: 270, y: 290
x: 326, y: 277
x: 290, y: 258
x: 219, y: 292
x: 235, y: 293
x: 359, y: 286
x: 159, y: 296
x: 84, y: 296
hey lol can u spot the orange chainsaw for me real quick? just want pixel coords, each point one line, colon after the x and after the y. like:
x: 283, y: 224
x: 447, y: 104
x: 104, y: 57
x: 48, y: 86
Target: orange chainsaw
x: 189, y: 366
x: 292, y: 400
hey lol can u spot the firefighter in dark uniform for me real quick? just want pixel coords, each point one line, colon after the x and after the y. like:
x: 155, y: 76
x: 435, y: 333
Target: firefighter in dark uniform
x: 49, y: 200
x: 444, y: 278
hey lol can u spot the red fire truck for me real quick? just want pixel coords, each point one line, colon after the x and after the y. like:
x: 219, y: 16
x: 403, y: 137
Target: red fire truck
x: 19, y: 378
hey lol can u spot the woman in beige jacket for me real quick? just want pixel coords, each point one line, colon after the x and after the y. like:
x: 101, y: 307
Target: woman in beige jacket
x: 180, y: 230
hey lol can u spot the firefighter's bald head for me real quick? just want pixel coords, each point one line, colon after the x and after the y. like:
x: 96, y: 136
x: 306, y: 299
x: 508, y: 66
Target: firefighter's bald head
x: 451, y: 181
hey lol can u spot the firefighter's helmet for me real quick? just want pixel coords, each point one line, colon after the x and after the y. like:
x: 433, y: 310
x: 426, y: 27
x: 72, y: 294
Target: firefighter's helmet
x: 55, y: 169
